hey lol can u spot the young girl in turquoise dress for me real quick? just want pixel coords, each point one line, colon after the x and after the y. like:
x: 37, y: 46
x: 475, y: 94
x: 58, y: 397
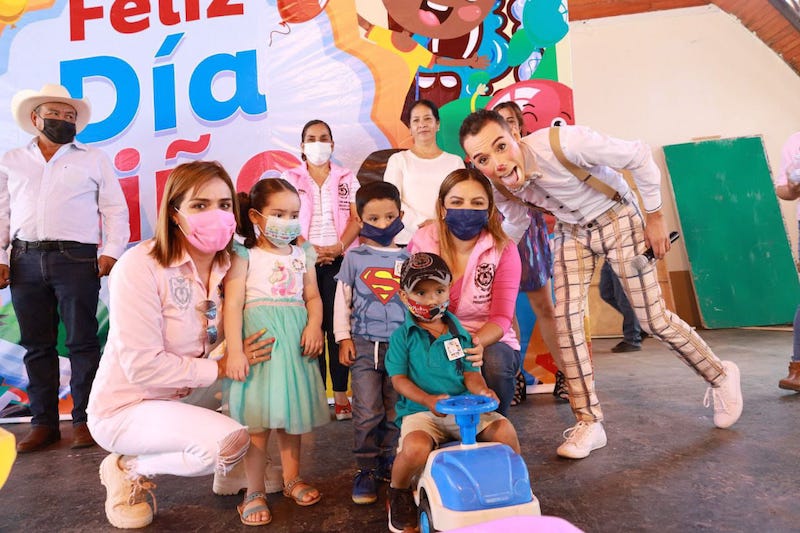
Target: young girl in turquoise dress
x: 271, y: 287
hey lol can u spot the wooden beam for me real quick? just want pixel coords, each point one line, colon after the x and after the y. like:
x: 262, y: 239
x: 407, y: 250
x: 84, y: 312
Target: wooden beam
x: 592, y: 9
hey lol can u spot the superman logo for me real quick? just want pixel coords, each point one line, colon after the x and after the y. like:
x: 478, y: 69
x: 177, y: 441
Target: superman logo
x: 382, y: 282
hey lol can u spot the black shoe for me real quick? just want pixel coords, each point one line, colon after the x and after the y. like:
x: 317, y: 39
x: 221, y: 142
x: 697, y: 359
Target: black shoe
x: 402, y: 510
x: 560, y: 390
x: 624, y: 346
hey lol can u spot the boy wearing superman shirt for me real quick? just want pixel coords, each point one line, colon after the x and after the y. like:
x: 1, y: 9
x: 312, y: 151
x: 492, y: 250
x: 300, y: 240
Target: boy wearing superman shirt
x: 367, y: 310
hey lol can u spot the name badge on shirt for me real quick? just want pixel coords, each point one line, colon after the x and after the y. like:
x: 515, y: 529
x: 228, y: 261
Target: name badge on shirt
x: 398, y: 266
x: 453, y: 349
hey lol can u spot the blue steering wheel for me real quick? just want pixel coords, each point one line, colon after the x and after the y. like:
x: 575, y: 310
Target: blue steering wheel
x: 467, y: 410
x: 467, y: 404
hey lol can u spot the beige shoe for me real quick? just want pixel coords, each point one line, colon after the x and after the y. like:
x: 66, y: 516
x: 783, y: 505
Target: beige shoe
x: 235, y: 481
x: 126, y: 505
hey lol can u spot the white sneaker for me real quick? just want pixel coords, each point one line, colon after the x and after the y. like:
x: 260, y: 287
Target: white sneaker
x: 126, y: 505
x: 581, y: 439
x: 236, y: 480
x: 727, y: 397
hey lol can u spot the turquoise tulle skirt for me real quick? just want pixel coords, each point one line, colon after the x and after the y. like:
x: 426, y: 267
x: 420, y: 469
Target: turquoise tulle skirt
x: 285, y: 392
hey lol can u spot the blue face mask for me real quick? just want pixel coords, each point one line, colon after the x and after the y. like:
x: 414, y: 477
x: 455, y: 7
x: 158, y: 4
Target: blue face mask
x: 466, y: 224
x: 382, y: 236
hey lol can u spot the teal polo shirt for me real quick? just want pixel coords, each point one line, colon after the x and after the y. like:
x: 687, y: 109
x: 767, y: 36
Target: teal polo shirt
x: 413, y: 352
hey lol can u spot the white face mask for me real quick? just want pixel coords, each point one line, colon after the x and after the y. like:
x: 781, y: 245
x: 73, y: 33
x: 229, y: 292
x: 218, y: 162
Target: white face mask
x: 318, y: 153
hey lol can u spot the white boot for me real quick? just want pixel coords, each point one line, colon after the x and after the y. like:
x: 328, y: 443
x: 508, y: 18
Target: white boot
x: 126, y: 505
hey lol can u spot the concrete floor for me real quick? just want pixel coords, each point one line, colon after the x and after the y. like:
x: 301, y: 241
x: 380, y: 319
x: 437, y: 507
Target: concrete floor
x: 666, y: 468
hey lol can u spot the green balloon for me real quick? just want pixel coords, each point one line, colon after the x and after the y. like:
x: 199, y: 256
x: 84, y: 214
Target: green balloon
x: 451, y: 115
x: 519, y: 48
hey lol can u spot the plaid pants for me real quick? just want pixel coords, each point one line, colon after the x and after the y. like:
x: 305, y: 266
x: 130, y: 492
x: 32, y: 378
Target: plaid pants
x: 617, y: 234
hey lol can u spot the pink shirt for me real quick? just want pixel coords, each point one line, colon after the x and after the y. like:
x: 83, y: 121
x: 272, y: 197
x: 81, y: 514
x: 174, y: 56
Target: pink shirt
x: 487, y: 292
x: 157, y: 335
x: 790, y: 149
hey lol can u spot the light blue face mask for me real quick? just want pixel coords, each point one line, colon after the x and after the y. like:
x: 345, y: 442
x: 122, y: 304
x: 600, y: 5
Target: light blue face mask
x: 281, y: 231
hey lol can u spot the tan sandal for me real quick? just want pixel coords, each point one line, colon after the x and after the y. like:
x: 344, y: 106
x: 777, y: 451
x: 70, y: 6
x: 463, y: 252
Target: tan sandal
x: 245, y: 513
x: 298, y: 498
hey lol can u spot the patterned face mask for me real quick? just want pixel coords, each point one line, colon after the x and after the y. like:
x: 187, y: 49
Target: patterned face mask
x: 427, y: 313
x: 281, y: 231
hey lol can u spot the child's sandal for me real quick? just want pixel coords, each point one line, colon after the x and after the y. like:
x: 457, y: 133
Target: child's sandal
x: 289, y: 492
x: 245, y: 513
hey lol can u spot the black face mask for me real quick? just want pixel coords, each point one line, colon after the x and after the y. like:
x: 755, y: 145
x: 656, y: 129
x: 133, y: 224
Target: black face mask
x: 59, y: 131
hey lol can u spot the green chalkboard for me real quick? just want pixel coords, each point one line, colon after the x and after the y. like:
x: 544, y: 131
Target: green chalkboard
x: 741, y: 262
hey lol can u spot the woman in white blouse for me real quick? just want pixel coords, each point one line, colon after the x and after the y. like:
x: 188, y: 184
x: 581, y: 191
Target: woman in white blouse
x: 419, y: 171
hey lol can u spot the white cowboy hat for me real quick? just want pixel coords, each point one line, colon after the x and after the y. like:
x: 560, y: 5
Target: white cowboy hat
x: 25, y: 101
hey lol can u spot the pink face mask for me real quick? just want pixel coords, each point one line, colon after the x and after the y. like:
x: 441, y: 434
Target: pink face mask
x: 209, y: 231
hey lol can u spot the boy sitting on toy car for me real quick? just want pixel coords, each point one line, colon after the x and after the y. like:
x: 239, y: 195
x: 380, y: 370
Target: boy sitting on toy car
x: 426, y: 362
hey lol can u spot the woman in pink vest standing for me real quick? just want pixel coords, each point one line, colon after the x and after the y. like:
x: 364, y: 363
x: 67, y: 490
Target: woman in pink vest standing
x: 486, y: 271
x: 329, y: 221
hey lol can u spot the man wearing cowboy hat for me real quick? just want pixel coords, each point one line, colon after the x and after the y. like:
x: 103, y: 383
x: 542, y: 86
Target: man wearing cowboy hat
x: 51, y: 192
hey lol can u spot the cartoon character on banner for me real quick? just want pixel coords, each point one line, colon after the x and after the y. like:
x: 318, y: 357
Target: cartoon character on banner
x: 12, y: 10
x: 453, y: 34
x: 296, y: 11
x: 539, y: 24
x: 544, y: 23
x: 544, y: 103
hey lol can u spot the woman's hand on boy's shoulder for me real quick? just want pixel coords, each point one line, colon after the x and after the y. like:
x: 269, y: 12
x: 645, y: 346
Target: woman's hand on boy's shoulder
x: 475, y: 354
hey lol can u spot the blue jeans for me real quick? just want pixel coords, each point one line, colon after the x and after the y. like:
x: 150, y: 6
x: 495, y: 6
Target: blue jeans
x: 374, y: 431
x: 500, y: 367
x: 46, y: 285
x: 796, y: 336
x: 613, y: 294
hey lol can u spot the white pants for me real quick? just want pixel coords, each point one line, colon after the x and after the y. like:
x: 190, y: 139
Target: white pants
x: 170, y: 437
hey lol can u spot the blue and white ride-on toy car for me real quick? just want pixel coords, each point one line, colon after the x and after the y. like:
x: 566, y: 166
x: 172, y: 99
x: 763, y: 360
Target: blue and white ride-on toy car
x: 469, y: 482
